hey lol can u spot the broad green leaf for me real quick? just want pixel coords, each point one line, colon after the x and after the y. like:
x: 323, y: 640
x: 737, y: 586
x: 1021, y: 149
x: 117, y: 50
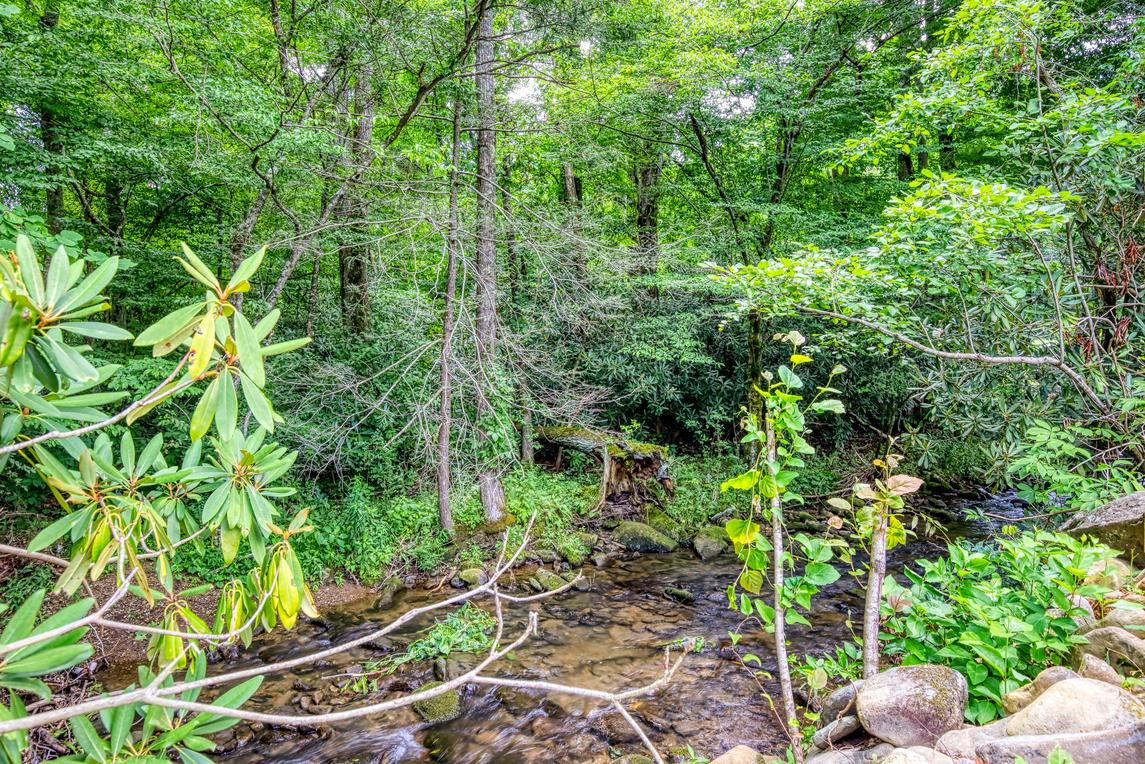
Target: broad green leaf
x: 741, y: 531
x: 250, y: 354
x: 176, y: 323
x: 205, y: 411
x: 96, y: 330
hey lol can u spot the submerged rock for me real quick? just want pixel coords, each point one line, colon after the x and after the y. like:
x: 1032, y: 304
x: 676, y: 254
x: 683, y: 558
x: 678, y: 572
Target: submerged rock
x: 1074, y: 706
x: 711, y: 541
x: 1120, y: 524
x: 638, y: 537
x: 912, y: 705
x: 440, y: 708
x: 680, y: 595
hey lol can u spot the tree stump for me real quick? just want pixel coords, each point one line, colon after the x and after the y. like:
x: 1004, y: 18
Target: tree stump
x: 632, y: 473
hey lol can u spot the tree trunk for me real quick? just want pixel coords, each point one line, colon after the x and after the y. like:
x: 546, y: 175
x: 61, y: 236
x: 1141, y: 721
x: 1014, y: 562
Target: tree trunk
x: 516, y: 269
x: 787, y: 693
x: 630, y: 471
x: 571, y: 194
x: 946, y: 150
x: 488, y: 477
x: 445, y: 421
x: 874, y: 598
x: 354, y: 255
x: 646, y: 175
x: 52, y: 140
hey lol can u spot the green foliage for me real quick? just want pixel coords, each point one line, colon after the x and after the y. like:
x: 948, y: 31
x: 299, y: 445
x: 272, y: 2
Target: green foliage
x: 999, y: 615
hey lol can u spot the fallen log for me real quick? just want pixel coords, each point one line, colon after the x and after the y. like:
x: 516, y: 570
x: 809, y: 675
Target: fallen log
x: 631, y: 471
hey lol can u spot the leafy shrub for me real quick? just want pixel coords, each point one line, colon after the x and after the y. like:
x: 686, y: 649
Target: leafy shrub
x: 999, y: 615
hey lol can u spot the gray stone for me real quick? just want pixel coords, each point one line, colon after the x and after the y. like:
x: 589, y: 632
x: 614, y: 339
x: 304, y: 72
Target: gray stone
x: 912, y: 705
x: 1125, y: 745
x: 741, y: 754
x: 638, y: 537
x: 711, y: 541
x: 1112, y: 574
x: 473, y: 576
x: 1015, y: 700
x: 1127, y: 617
x: 387, y: 591
x: 961, y: 744
x: 1075, y: 706
x: 549, y: 580
x: 916, y: 755
x: 836, y: 731
x: 1120, y: 524
x: 1092, y: 667
x: 839, y: 702
x: 1118, y: 647
x: 439, y: 708
x: 852, y: 755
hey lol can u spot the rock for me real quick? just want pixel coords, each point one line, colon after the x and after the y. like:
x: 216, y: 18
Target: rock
x: 615, y: 729
x: 1120, y: 524
x: 1092, y: 667
x: 852, y: 755
x: 1125, y: 745
x: 1116, y: 646
x: 638, y: 537
x: 440, y: 708
x: 741, y: 754
x: 387, y: 591
x: 711, y: 541
x: 573, y: 552
x: 599, y: 559
x: 473, y: 576
x: 549, y: 580
x: 680, y: 595
x: 1015, y: 700
x: 961, y: 744
x: 579, y: 581
x: 660, y: 520
x: 1111, y: 574
x: 633, y: 758
x: 1074, y: 706
x: 1080, y: 610
x: 1125, y: 617
x: 916, y: 755
x: 839, y: 702
x: 836, y: 731
x: 912, y: 705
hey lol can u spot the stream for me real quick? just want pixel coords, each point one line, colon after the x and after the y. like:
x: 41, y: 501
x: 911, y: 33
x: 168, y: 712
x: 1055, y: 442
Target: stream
x: 610, y: 637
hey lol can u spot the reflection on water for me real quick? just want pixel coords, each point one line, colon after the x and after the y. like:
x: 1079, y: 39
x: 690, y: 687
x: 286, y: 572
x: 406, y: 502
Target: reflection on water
x: 610, y: 638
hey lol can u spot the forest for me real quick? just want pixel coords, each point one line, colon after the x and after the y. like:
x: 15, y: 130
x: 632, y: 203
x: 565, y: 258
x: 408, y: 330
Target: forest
x: 575, y: 381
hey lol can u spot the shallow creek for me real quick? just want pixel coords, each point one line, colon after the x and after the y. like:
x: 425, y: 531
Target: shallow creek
x: 610, y: 637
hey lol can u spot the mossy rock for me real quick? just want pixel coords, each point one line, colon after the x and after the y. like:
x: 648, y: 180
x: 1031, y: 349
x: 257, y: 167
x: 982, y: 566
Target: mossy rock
x: 590, y: 540
x: 573, y: 552
x: 473, y: 576
x: 440, y: 708
x: 660, y: 520
x: 711, y: 541
x: 549, y: 580
x: 639, y: 537
x: 388, y: 590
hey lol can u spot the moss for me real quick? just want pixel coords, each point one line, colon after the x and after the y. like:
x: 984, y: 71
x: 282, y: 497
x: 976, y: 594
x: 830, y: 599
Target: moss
x: 549, y: 580
x: 440, y: 708
x: 638, y: 537
x: 659, y: 520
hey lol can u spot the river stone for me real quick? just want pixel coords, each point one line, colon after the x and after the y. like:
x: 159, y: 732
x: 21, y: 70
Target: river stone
x: 852, y: 755
x: 1015, y: 700
x: 711, y: 541
x: 660, y: 520
x: 1076, y: 705
x: 473, y: 576
x: 633, y: 758
x: 1112, y: 574
x: 741, y: 754
x: 680, y: 595
x: 440, y: 708
x: 1120, y: 648
x: 912, y: 705
x: 836, y: 731
x: 961, y: 744
x: 549, y: 580
x: 387, y: 591
x: 578, y: 580
x: 1129, y: 618
x: 1092, y: 667
x: 638, y: 537
x: 916, y: 755
x: 1125, y: 745
x: 1120, y: 524
x: 839, y: 702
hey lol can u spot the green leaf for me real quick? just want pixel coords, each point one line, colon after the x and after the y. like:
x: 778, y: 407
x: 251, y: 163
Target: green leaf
x: 226, y: 417
x: 258, y: 403
x: 55, y: 531
x: 741, y: 531
x: 820, y: 574
x: 176, y: 323
x: 205, y: 411
x: 250, y: 354
x: 89, y: 289
x: 790, y: 378
x: 744, y: 482
x: 286, y: 346
x: 90, y: 741
x: 198, y: 269
x: 59, y: 277
x: 96, y: 330
x: 246, y: 269
x: 751, y: 580
x: 21, y: 622
x: 30, y: 269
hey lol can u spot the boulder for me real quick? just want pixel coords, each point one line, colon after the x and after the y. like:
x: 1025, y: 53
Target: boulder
x: 1015, y: 700
x: 711, y: 541
x: 840, y: 702
x: 1124, y: 616
x: 1124, y: 745
x: 1121, y: 649
x: 660, y: 520
x: 1120, y: 524
x: 961, y: 744
x: 916, y: 755
x: 473, y: 577
x: 439, y: 708
x: 549, y: 580
x: 1112, y: 574
x: 638, y: 537
x: 741, y: 754
x: 851, y: 755
x: 1092, y: 667
x: 1074, y: 706
x: 836, y: 731
x: 912, y: 705
x: 387, y: 591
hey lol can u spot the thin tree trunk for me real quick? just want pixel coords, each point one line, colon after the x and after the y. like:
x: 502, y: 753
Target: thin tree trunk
x: 445, y: 421
x: 354, y: 256
x: 52, y: 141
x: 787, y: 694
x: 572, y: 198
x: 647, y: 179
x: 488, y: 477
x: 515, y: 270
x: 875, y: 576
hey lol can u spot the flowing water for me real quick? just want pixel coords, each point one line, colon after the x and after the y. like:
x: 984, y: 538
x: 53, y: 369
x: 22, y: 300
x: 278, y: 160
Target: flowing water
x: 610, y: 637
